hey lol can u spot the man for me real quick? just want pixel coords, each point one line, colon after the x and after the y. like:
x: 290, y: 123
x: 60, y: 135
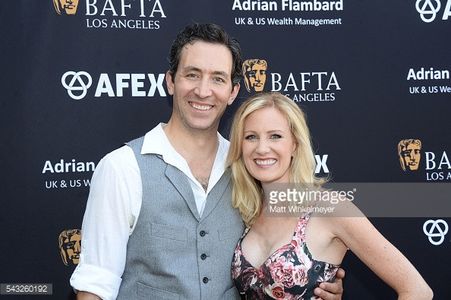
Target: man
x: 159, y: 222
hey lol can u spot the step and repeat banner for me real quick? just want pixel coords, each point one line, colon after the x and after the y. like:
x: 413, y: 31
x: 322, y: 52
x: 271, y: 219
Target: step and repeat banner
x: 81, y: 77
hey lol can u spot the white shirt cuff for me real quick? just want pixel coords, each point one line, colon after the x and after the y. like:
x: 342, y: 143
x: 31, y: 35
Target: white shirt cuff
x: 96, y: 280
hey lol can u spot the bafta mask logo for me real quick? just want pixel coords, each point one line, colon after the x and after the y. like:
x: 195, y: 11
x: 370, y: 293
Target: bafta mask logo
x: 409, y: 152
x: 68, y: 7
x: 70, y: 245
x: 254, y: 73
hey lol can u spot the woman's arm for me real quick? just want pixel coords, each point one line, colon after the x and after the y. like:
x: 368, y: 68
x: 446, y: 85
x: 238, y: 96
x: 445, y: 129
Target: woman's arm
x: 384, y: 259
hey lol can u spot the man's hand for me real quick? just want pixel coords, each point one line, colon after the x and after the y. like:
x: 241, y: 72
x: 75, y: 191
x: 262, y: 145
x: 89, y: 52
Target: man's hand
x: 331, y: 291
x: 86, y: 296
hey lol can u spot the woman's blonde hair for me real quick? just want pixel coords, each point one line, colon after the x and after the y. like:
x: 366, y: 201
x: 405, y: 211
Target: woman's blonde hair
x: 247, y: 193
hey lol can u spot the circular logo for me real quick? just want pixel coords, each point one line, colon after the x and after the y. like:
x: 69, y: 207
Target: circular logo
x: 427, y: 9
x: 435, y: 231
x: 76, y: 91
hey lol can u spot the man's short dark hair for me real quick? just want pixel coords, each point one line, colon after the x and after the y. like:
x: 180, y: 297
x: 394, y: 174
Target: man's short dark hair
x: 210, y: 33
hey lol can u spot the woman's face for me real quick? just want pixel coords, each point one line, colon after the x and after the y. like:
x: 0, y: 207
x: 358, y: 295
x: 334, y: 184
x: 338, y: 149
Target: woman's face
x: 268, y: 146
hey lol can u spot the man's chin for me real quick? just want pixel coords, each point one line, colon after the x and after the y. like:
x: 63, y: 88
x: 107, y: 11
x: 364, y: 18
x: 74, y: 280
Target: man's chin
x: 203, y: 126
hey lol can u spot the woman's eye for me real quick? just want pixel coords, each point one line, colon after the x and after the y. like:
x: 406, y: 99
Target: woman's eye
x: 250, y: 137
x: 275, y: 136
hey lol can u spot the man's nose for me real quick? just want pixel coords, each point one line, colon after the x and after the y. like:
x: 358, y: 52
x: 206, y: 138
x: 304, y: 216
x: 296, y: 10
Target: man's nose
x: 203, y: 89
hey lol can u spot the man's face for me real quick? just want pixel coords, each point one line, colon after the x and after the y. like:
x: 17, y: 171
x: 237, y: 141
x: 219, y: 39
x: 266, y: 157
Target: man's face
x: 257, y: 77
x: 411, y: 156
x: 72, y: 247
x: 70, y: 6
x: 202, y: 86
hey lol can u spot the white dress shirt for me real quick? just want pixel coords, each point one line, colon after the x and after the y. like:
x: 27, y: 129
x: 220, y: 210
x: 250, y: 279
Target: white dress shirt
x: 113, y: 208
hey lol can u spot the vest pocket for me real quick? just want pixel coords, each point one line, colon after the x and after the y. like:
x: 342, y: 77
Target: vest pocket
x: 147, y: 292
x: 169, y: 232
x: 166, y: 247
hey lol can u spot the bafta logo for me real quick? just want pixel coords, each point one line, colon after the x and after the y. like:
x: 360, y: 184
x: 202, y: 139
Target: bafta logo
x: 69, y: 7
x: 69, y: 242
x: 254, y: 73
x: 409, y: 151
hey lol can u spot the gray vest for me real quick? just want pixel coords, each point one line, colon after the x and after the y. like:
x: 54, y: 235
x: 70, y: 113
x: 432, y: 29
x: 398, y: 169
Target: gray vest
x: 174, y: 253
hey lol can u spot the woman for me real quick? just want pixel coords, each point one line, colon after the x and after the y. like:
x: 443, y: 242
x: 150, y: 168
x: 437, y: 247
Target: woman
x: 287, y: 257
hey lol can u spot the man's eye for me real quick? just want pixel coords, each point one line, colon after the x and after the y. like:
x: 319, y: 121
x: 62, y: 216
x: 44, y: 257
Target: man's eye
x: 219, y: 79
x: 191, y: 75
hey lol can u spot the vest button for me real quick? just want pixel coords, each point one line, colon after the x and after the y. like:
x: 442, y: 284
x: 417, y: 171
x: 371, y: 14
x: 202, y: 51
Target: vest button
x: 203, y: 256
x: 205, y: 280
x: 202, y: 233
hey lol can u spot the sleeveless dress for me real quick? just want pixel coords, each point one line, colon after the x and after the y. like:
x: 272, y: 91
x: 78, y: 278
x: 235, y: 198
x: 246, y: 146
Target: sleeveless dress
x: 290, y: 272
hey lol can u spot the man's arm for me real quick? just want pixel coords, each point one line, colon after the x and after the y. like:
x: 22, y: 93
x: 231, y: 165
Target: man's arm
x: 111, y: 209
x: 87, y: 296
x: 332, y: 290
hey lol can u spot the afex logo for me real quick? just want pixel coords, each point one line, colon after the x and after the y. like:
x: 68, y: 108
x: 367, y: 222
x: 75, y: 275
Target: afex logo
x: 77, y: 84
x: 321, y: 163
x: 435, y: 230
x: 428, y: 9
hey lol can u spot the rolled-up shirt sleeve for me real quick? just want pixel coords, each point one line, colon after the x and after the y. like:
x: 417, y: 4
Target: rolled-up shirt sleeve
x: 111, y: 212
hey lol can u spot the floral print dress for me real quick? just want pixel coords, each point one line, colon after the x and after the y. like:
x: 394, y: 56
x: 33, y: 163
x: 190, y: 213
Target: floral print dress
x: 289, y: 273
